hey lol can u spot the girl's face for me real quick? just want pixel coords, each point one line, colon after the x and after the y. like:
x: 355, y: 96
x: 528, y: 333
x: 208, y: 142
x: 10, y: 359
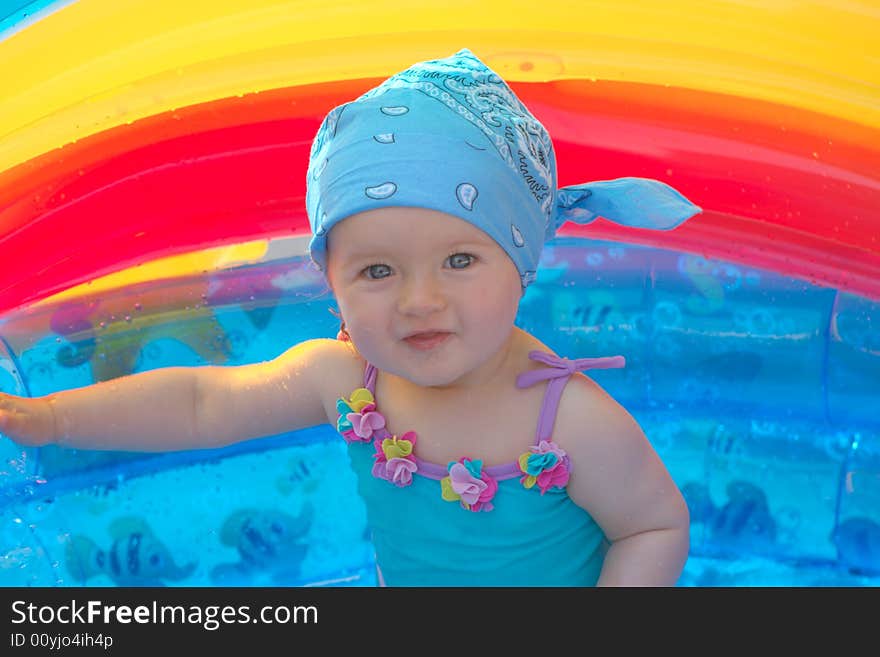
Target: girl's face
x: 424, y: 295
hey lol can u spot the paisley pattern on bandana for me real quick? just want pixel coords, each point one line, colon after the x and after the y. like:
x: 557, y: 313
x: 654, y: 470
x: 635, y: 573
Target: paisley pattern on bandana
x: 450, y: 134
x: 484, y: 99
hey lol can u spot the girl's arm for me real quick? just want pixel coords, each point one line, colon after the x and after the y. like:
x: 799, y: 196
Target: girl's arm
x: 298, y: 389
x: 178, y: 408
x: 621, y: 481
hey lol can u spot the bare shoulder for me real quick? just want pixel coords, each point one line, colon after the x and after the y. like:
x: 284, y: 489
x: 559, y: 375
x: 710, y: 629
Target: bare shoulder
x: 615, y: 472
x: 590, y: 418
x: 605, y: 443
x: 332, y: 367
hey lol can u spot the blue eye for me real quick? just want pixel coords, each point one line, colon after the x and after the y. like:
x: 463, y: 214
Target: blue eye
x: 375, y: 272
x: 460, y: 260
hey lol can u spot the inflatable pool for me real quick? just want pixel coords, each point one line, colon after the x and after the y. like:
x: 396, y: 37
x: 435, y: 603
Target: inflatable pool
x: 152, y: 170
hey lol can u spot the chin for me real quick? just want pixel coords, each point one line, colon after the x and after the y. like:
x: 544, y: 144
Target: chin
x: 432, y: 380
x: 428, y: 375
x: 437, y: 372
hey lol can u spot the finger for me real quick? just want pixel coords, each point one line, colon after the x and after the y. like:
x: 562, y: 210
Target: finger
x: 6, y: 423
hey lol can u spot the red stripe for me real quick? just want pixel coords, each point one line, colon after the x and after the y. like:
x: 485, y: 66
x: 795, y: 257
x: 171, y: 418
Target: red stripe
x: 784, y: 189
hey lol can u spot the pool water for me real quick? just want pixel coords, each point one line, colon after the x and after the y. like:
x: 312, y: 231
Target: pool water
x: 188, y: 503
x: 757, y: 391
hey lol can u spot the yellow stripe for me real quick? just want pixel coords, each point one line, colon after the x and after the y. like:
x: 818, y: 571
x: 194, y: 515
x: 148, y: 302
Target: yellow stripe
x: 99, y: 63
x: 198, y: 262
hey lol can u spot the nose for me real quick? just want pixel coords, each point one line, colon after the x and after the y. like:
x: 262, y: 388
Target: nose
x: 421, y: 296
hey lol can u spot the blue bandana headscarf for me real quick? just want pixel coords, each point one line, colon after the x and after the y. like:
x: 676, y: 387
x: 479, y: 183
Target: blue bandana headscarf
x: 450, y: 135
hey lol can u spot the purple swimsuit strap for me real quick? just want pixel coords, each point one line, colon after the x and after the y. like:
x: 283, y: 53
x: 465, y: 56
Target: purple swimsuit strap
x: 370, y: 373
x: 558, y: 373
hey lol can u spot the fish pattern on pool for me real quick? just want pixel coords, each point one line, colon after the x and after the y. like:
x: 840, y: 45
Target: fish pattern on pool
x: 743, y: 521
x: 135, y: 557
x: 271, y: 545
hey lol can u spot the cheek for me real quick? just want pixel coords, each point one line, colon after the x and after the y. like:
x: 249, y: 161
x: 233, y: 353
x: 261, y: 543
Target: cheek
x: 362, y: 317
x: 497, y: 303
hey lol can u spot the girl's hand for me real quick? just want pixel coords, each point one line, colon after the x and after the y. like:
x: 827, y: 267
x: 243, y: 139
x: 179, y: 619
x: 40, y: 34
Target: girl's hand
x: 27, y: 421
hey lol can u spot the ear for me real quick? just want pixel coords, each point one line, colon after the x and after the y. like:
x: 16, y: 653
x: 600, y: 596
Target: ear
x: 343, y: 332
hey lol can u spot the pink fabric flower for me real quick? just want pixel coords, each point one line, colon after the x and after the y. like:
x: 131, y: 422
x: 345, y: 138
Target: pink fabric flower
x: 365, y: 423
x: 398, y: 469
x: 465, y: 485
x: 556, y: 476
x: 546, y: 446
x: 477, y: 493
x: 538, y: 457
x: 380, y: 460
x: 485, y: 501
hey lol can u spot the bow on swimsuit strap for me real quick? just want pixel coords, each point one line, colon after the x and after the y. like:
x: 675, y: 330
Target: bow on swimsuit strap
x: 564, y: 367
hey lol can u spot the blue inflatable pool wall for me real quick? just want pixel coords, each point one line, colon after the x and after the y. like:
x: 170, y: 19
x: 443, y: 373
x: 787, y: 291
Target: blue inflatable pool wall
x: 760, y: 392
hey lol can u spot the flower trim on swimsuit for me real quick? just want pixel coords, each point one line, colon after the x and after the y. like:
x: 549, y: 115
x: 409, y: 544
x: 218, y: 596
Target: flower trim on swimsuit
x: 358, y: 422
x: 469, y: 485
x: 395, y: 461
x: 358, y: 417
x: 545, y: 464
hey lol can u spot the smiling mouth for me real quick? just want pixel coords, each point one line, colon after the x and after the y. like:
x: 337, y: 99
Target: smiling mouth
x: 427, y: 340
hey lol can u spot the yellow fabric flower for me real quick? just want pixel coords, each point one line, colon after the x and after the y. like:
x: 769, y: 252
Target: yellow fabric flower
x: 360, y: 398
x: 395, y: 447
x: 528, y: 481
x: 446, y: 491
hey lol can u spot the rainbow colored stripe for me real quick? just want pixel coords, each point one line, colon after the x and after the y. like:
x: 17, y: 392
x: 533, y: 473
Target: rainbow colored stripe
x: 152, y: 131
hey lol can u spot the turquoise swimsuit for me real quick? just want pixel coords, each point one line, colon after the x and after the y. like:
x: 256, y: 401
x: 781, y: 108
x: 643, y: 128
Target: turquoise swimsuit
x: 467, y: 525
